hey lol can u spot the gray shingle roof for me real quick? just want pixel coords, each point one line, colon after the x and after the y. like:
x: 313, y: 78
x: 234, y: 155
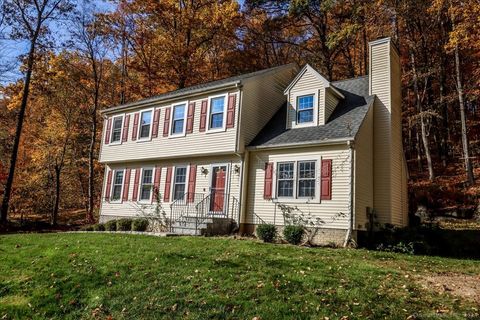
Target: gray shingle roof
x: 342, y: 124
x: 199, y: 88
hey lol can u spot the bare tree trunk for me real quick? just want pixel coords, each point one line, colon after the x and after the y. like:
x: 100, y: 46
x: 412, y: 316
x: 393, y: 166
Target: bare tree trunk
x: 16, y: 143
x: 425, y: 142
x: 466, y: 153
x: 57, y: 196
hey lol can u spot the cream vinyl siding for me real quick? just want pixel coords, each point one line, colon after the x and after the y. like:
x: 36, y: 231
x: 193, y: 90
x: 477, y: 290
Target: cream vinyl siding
x: 388, y: 151
x: 363, y: 171
x: 398, y: 216
x: 196, y: 143
x: 330, y: 103
x: 262, y: 97
x: 326, y: 209
x: 132, y: 209
x: 308, y: 83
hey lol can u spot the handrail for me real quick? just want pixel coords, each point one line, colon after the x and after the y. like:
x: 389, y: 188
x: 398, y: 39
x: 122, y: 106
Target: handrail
x: 198, y: 207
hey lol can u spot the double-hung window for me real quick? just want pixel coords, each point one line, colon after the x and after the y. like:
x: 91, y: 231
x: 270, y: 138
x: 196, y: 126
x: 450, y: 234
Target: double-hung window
x: 116, y: 129
x: 285, y: 179
x: 297, y: 179
x: 145, y: 124
x: 117, y: 185
x: 217, y: 112
x: 146, y: 185
x: 305, y: 106
x: 179, y: 183
x: 178, y: 119
x: 306, y: 179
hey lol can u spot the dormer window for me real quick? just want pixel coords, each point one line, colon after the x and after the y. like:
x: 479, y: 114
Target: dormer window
x: 305, y: 108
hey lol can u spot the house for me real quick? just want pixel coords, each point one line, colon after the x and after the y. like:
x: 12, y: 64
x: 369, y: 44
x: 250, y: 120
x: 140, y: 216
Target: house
x: 245, y: 148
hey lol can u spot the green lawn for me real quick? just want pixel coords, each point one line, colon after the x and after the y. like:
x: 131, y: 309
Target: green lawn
x: 73, y: 276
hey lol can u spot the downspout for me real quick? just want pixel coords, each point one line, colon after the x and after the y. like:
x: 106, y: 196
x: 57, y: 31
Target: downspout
x: 352, y: 186
x: 243, y: 191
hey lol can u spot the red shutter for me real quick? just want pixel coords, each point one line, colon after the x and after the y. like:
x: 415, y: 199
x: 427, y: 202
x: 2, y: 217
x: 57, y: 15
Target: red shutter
x: 126, y: 184
x: 135, y: 126
x: 168, y: 182
x: 326, y: 180
x: 231, y: 110
x: 191, y: 112
x: 166, y: 122
x: 126, y: 123
x: 203, y: 116
x: 156, y: 182
x: 135, y: 184
x: 267, y: 187
x: 156, y: 120
x: 107, y: 131
x: 109, y: 185
x: 192, y: 179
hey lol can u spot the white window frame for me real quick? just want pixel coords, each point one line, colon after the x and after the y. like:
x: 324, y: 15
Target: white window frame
x: 185, y: 116
x: 317, y: 179
x: 225, y: 107
x: 295, y: 97
x: 277, y: 179
x: 140, y: 186
x: 187, y: 174
x: 113, y: 186
x: 296, y: 159
x: 139, y: 129
x: 121, y: 130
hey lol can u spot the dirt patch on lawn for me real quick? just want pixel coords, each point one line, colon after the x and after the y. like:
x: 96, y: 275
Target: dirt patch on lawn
x: 460, y: 285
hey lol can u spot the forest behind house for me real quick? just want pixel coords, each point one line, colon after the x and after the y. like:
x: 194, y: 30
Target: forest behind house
x: 80, y: 60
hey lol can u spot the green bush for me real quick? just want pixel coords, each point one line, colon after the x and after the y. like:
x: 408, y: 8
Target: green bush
x: 266, y: 232
x: 124, y: 225
x: 139, y: 224
x: 111, y: 225
x: 99, y: 227
x: 293, y: 234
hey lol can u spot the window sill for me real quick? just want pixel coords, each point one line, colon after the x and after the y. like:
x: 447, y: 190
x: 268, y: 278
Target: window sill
x: 296, y: 200
x: 115, y: 201
x: 216, y: 130
x: 177, y: 135
x: 144, y: 139
x: 115, y: 143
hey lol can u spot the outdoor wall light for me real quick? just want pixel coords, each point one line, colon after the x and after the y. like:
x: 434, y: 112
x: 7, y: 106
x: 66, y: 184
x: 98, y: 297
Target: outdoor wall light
x: 204, y: 171
x: 236, y: 169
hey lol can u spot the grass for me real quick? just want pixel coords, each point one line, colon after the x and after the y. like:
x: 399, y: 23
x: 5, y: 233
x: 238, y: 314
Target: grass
x: 87, y: 276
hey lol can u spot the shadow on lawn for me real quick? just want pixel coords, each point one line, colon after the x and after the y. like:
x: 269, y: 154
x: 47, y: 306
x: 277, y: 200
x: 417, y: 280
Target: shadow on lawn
x: 427, y: 240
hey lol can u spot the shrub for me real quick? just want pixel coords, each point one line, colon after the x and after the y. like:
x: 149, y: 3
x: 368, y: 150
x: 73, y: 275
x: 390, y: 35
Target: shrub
x: 139, y: 224
x: 293, y: 234
x: 99, y: 227
x: 111, y: 225
x: 267, y: 232
x: 124, y: 225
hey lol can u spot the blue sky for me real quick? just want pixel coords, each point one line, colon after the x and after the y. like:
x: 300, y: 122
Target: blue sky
x: 11, y: 50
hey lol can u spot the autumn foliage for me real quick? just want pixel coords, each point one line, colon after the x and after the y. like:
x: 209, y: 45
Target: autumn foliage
x: 141, y: 48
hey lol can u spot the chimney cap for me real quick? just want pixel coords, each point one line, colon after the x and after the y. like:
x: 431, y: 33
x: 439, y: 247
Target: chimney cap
x: 382, y: 40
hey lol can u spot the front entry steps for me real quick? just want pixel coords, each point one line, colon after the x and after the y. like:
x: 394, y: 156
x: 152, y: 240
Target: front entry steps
x: 195, y: 226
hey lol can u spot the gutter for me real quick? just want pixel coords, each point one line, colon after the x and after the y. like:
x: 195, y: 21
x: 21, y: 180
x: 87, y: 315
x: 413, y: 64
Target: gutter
x: 328, y: 142
x: 352, y: 190
x: 173, y: 97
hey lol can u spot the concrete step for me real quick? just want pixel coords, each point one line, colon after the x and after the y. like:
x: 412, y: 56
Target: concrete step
x: 187, y: 231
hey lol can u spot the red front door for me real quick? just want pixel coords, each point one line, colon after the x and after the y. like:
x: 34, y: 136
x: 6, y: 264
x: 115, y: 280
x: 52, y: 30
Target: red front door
x: 217, y: 202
